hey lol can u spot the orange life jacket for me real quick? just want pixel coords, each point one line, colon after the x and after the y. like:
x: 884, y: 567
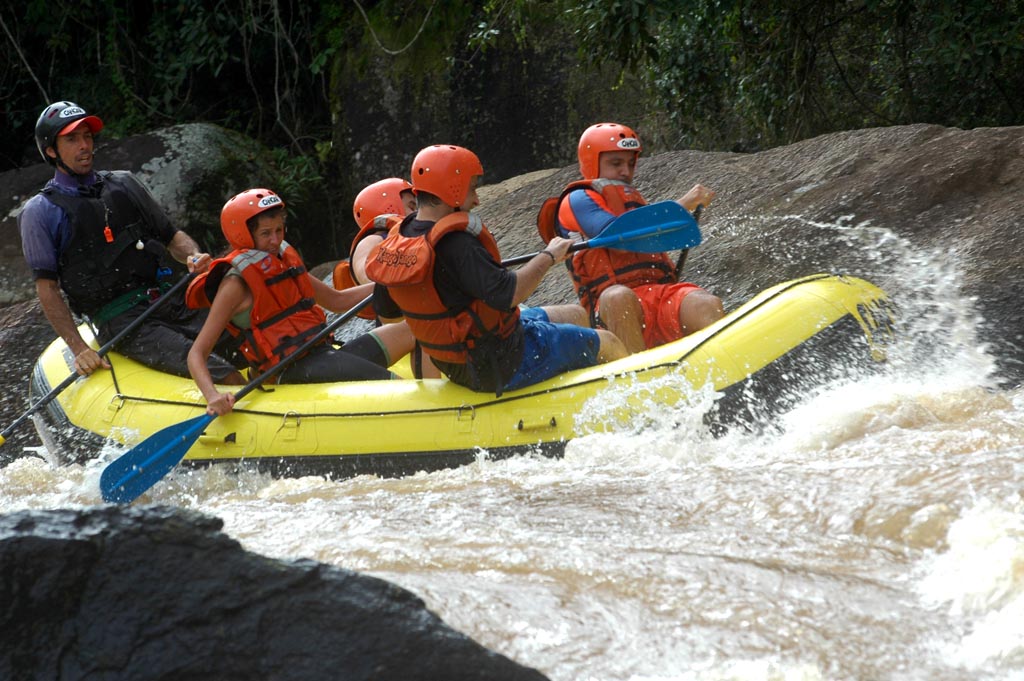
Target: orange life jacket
x: 343, y: 276
x: 284, y: 314
x: 405, y: 265
x: 595, y: 269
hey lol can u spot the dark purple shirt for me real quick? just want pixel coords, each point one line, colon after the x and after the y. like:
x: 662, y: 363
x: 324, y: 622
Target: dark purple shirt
x: 45, y: 228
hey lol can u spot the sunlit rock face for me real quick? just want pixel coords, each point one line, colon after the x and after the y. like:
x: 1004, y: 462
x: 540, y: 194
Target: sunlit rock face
x: 881, y: 203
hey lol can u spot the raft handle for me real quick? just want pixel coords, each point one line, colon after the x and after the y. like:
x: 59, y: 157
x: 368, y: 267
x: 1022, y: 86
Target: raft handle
x: 286, y: 417
x: 230, y: 438
x: 550, y: 424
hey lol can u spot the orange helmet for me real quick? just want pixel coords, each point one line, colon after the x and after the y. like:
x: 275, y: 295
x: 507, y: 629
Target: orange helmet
x: 604, y: 137
x: 446, y: 172
x: 239, y: 208
x: 380, y: 198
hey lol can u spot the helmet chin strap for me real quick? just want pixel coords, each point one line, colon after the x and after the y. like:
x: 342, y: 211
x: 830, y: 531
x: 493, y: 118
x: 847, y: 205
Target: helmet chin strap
x: 79, y: 177
x: 64, y: 166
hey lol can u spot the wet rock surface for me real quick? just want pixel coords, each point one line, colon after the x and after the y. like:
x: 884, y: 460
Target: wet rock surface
x: 161, y: 593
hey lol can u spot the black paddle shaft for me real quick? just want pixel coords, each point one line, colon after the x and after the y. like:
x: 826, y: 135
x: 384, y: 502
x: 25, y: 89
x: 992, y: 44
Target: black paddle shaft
x: 104, y: 349
x: 681, y: 262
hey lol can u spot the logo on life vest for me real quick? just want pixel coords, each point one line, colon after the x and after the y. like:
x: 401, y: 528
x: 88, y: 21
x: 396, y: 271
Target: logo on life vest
x: 70, y: 111
x: 628, y: 143
x: 392, y: 258
x: 268, y: 201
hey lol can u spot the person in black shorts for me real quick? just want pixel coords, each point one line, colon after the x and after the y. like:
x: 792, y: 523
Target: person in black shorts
x: 262, y: 294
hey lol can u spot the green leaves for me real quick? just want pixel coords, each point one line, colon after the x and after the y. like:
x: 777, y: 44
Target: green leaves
x: 711, y: 74
x: 752, y: 75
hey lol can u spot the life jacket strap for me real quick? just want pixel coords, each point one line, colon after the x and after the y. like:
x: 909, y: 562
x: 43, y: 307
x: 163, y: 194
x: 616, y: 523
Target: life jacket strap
x: 304, y: 304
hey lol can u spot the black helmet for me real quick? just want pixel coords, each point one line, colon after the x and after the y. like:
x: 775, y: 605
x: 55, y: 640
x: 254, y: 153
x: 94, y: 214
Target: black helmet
x: 56, y: 118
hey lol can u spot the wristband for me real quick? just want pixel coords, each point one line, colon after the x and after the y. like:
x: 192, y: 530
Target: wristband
x: 548, y: 253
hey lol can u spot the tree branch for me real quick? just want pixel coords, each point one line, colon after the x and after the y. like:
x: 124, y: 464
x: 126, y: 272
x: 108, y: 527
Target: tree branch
x: 24, y: 61
x: 394, y: 53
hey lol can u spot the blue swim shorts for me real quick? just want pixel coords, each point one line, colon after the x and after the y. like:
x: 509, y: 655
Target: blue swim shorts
x: 550, y: 349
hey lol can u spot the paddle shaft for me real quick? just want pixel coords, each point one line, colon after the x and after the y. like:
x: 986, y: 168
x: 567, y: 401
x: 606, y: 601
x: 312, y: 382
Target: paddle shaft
x: 135, y: 471
x: 323, y: 333
x: 522, y: 259
x: 681, y: 262
x: 104, y: 349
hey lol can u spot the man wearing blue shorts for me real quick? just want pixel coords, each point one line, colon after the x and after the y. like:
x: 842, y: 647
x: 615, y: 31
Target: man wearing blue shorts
x: 441, y: 270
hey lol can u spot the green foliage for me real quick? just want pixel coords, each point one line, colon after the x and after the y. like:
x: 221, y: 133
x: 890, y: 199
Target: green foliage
x: 346, y: 91
x: 623, y: 30
x: 299, y: 179
x: 297, y: 175
x: 752, y: 75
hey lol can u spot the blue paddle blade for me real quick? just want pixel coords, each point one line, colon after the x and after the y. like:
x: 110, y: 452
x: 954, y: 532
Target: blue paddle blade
x: 654, y: 228
x: 125, y: 479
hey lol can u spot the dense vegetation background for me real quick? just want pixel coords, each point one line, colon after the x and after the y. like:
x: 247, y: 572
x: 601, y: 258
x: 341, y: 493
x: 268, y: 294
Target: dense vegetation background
x: 344, y: 93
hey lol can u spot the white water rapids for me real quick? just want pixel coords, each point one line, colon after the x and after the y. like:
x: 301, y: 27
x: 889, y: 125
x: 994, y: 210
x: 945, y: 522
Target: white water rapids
x: 876, y: 533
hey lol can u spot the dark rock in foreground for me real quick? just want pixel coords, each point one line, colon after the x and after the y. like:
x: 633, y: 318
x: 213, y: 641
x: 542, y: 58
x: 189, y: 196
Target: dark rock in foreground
x: 160, y: 593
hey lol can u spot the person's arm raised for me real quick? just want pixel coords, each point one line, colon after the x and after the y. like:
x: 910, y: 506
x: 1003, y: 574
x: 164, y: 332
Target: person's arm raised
x: 699, y: 195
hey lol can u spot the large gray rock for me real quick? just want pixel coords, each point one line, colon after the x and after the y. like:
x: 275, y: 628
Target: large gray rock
x: 161, y: 593
x: 24, y: 333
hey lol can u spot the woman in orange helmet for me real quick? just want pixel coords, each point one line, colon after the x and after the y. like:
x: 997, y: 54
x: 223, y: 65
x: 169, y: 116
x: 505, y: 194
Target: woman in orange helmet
x: 377, y: 208
x: 374, y: 205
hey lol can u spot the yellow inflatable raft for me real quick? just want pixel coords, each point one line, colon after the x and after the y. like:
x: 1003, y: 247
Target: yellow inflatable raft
x: 761, y: 357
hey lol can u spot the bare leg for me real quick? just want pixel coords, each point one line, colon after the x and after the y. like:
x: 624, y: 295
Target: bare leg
x: 397, y: 340
x: 567, y: 314
x: 234, y: 378
x: 611, y: 347
x: 622, y: 313
x: 699, y: 309
x: 428, y: 368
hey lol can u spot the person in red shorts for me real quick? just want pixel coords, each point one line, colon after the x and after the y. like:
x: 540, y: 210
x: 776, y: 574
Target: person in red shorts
x: 636, y: 296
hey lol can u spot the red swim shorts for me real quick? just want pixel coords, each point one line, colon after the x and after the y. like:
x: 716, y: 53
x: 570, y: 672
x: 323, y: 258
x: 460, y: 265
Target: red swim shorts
x: 661, y: 311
